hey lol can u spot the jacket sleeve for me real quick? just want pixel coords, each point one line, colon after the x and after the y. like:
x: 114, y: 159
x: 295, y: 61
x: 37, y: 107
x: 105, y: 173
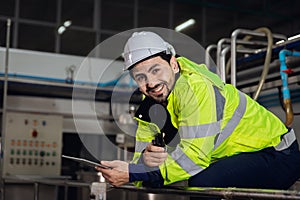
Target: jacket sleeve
x: 145, y: 133
x: 139, y: 173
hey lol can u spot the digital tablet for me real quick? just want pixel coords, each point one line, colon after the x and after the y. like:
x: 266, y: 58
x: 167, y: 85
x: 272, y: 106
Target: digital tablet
x: 86, y: 162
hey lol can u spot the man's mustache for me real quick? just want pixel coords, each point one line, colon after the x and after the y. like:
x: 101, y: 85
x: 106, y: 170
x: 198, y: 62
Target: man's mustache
x: 148, y: 89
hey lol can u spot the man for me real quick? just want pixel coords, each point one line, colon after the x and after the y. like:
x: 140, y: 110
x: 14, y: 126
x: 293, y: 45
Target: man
x: 215, y: 135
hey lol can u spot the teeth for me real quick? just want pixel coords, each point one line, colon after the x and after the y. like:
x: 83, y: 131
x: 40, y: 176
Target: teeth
x: 157, y: 89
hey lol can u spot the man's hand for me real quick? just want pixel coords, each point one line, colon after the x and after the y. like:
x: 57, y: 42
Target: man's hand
x: 154, y: 156
x: 116, y: 176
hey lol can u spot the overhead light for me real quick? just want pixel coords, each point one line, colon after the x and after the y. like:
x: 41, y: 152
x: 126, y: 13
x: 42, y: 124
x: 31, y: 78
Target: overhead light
x: 290, y: 38
x: 279, y: 42
x: 294, y: 37
x: 67, y: 23
x: 184, y: 25
x: 61, y: 30
x: 64, y: 27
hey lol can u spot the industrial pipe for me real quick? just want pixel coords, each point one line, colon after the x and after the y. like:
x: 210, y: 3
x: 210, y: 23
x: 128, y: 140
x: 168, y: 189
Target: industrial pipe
x: 267, y: 60
x: 284, y: 72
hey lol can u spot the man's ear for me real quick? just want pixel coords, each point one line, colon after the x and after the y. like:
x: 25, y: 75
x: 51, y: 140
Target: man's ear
x: 174, y: 64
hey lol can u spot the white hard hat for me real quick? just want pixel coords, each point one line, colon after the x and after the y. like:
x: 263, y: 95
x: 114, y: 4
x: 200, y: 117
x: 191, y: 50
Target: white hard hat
x: 143, y: 44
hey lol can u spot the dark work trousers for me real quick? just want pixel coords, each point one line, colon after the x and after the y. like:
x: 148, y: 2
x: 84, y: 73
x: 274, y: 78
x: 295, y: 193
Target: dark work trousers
x: 267, y: 168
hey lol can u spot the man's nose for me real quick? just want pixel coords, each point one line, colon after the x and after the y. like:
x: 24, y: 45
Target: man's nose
x: 151, y: 82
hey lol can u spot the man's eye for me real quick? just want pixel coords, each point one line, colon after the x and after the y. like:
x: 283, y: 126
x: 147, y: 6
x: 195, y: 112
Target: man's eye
x: 155, y: 71
x: 140, y: 78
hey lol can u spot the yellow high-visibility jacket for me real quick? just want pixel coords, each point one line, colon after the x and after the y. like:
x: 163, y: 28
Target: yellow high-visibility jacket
x: 214, y: 121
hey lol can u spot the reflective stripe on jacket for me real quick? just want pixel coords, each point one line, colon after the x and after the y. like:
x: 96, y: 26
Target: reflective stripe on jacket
x: 214, y: 121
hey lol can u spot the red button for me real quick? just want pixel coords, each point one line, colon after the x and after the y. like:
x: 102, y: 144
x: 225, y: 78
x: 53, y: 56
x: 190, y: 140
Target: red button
x: 34, y: 133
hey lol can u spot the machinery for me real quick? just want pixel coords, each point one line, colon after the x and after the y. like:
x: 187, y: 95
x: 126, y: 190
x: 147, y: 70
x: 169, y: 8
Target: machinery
x: 33, y: 144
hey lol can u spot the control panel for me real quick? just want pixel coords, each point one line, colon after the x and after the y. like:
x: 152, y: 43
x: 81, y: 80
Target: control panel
x: 32, y: 144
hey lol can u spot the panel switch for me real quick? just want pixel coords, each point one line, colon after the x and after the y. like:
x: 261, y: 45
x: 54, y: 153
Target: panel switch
x: 34, y: 133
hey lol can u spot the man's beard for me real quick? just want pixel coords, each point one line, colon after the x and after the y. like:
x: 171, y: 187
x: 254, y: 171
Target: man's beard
x: 160, y: 99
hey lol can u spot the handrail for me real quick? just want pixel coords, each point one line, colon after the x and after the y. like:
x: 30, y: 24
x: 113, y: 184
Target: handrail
x: 221, y: 53
x: 222, y: 61
x: 208, y: 49
x: 224, y: 193
x: 234, y: 36
x: 223, y: 41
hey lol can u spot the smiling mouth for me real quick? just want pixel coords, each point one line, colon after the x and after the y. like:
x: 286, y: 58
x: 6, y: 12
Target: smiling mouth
x: 157, y: 90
